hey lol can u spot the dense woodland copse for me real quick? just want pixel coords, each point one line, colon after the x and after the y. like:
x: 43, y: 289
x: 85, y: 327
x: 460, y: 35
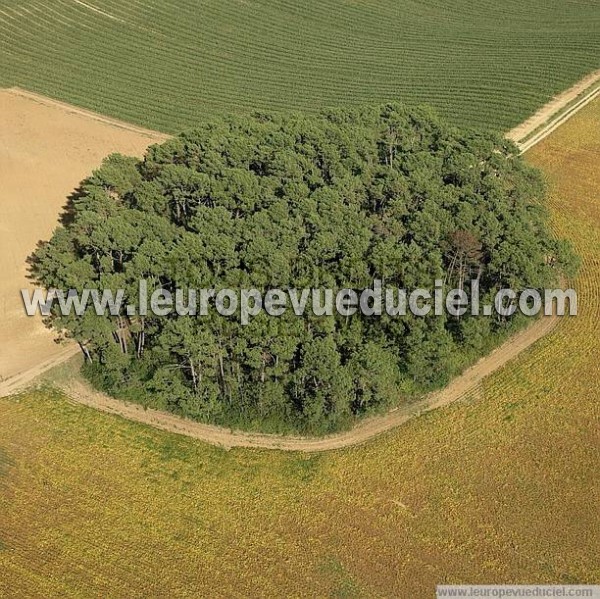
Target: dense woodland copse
x: 295, y: 201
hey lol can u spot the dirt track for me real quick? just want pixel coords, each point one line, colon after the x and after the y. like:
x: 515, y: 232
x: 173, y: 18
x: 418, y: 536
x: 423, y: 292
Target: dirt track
x: 544, y: 119
x: 365, y: 430
x: 73, y: 142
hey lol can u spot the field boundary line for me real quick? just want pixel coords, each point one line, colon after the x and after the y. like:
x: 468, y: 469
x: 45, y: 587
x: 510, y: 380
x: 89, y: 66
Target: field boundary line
x: 556, y: 112
x: 560, y: 120
x: 158, y: 136
x: 21, y: 380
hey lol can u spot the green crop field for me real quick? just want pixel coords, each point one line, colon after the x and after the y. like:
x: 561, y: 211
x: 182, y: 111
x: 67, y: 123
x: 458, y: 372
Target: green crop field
x: 167, y: 63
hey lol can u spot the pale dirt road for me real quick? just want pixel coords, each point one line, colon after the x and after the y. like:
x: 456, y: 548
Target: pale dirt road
x: 546, y: 117
x: 367, y: 429
x: 46, y: 149
x: 53, y: 139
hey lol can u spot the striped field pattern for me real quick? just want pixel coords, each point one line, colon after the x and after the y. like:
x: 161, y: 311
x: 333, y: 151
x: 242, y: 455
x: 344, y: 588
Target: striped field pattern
x: 166, y: 64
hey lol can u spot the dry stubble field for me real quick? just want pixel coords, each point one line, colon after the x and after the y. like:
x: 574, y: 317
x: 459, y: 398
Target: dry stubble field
x: 45, y: 151
x: 501, y: 487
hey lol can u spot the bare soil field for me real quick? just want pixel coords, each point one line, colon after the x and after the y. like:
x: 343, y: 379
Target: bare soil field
x: 46, y: 149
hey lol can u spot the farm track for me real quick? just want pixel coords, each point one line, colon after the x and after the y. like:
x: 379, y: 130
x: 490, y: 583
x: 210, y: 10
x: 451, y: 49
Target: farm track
x: 81, y: 393
x: 542, y: 123
x: 557, y: 112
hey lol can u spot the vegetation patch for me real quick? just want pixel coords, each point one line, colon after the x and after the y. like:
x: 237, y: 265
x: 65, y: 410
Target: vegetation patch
x: 331, y: 201
x: 343, y: 587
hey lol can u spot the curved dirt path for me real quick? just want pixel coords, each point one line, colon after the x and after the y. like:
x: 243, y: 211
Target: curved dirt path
x: 365, y: 430
x: 541, y: 124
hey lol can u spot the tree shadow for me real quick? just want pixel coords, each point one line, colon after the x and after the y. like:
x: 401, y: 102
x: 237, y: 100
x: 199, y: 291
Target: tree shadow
x: 67, y: 215
x: 65, y: 218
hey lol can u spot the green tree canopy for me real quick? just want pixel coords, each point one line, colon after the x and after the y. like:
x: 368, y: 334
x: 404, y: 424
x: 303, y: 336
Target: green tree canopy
x: 293, y: 201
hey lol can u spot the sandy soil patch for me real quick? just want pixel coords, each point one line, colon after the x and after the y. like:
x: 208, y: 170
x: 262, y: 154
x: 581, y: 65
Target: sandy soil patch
x: 46, y: 149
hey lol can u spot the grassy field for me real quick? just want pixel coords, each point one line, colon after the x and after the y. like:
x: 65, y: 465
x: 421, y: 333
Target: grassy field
x: 503, y: 487
x: 165, y: 63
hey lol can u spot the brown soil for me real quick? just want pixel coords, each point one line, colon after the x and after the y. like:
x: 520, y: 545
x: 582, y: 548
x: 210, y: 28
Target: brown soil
x: 46, y: 149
